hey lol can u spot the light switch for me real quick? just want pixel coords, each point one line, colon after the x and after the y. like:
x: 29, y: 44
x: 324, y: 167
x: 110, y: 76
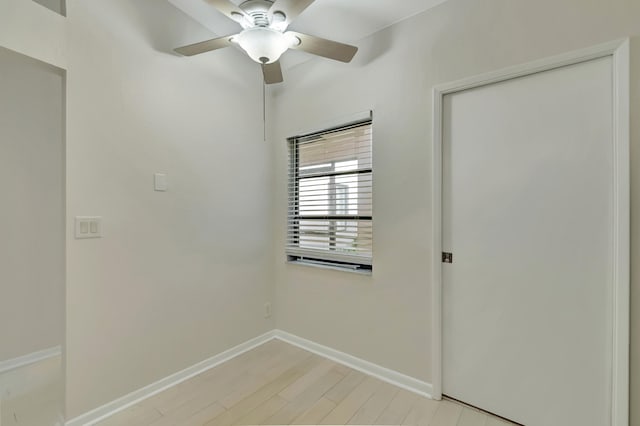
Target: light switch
x: 160, y: 182
x: 88, y: 227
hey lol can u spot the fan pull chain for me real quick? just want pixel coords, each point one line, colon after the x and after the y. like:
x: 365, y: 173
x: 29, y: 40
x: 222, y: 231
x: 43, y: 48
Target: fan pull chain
x: 264, y: 110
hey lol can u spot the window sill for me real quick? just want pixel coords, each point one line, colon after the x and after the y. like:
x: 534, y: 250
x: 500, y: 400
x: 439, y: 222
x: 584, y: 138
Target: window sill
x: 366, y: 272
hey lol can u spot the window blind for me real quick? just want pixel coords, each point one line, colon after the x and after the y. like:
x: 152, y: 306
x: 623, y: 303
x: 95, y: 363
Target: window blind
x: 330, y: 190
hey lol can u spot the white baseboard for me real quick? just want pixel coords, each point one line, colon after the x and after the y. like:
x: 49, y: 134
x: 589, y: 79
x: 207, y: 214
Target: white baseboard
x: 113, y: 407
x: 390, y: 376
x: 32, y: 358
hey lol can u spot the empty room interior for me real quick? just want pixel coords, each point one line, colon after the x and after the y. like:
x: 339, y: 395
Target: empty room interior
x: 243, y: 212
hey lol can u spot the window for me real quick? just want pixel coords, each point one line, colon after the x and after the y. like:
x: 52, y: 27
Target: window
x: 330, y: 197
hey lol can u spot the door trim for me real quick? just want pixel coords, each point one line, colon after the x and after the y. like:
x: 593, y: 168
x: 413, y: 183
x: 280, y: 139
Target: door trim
x: 619, y: 52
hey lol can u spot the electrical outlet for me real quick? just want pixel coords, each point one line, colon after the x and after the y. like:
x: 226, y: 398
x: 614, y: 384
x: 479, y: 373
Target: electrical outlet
x: 267, y: 310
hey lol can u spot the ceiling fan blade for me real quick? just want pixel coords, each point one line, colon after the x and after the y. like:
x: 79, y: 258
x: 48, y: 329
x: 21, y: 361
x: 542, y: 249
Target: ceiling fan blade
x: 229, y: 9
x: 323, y: 47
x: 205, y: 46
x: 272, y: 73
x: 290, y: 9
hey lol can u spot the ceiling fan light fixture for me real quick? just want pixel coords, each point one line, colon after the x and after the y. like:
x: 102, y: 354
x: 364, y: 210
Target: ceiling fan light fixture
x: 264, y: 45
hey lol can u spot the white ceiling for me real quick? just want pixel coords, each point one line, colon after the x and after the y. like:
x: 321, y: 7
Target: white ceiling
x: 346, y: 21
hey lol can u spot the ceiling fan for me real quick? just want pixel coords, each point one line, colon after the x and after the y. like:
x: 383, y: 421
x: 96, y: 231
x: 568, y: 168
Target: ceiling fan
x: 264, y: 36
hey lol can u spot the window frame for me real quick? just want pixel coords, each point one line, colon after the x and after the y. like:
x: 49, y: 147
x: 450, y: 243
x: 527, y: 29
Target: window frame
x: 332, y: 259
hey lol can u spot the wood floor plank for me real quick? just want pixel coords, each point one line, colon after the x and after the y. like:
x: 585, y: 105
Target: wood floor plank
x: 202, y: 394
x: 343, y: 369
x: 352, y: 402
x: 202, y: 416
x: 135, y: 415
x: 276, y: 358
x: 188, y: 414
x: 346, y: 385
x: 470, y: 417
x: 494, y: 421
x: 215, y: 382
x: 306, y: 399
x: 175, y: 395
x: 398, y: 409
x: 273, y: 370
x: 447, y: 414
x: 422, y: 412
x: 208, y: 388
x: 315, y: 413
x: 373, y: 408
x: 296, y: 388
x: 261, y: 413
x: 189, y: 409
x: 262, y: 394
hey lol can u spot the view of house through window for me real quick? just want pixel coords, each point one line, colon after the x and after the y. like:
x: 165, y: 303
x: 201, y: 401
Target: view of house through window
x: 330, y: 197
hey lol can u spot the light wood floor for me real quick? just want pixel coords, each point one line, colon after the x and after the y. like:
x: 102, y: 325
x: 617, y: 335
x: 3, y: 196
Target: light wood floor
x: 277, y: 383
x: 32, y: 395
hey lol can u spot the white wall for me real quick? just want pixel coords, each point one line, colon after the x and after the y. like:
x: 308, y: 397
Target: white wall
x: 182, y: 275
x: 386, y: 318
x: 33, y: 30
x: 31, y: 217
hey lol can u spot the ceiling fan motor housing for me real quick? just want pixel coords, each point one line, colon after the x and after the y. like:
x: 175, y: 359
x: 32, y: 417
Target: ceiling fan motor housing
x: 258, y: 10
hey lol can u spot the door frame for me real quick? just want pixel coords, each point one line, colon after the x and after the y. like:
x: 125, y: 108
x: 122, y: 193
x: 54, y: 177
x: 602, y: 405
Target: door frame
x: 619, y: 52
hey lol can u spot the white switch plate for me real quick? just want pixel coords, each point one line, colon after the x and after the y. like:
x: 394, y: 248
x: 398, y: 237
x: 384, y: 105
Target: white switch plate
x: 160, y: 182
x: 88, y: 227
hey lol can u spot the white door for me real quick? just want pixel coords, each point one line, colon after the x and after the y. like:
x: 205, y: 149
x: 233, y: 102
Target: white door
x: 527, y: 214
